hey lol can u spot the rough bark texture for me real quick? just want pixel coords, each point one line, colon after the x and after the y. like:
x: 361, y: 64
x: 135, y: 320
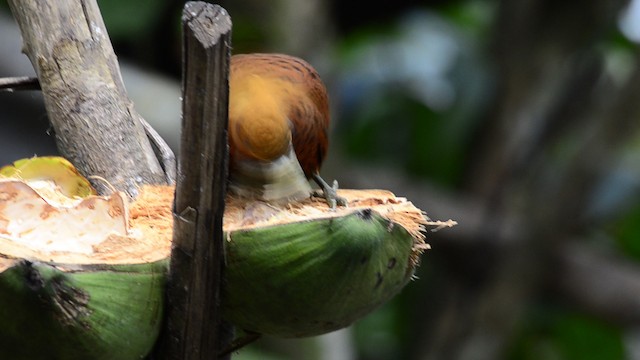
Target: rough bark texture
x: 194, y: 329
x: 95, y: 124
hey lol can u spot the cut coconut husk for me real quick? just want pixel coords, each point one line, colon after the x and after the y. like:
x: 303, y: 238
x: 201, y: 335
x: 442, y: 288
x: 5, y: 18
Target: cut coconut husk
x: 84, y: 274
x: 76, y: 280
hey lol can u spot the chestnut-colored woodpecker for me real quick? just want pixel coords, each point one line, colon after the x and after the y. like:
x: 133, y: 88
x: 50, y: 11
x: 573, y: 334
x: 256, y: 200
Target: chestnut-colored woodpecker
x: 278, y: 128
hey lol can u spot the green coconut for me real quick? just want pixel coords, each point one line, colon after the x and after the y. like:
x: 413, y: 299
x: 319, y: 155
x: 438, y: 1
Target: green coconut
x: 77, y: 280
x: 49, y: 311
x: 305, y: 269
x: 82, y: 276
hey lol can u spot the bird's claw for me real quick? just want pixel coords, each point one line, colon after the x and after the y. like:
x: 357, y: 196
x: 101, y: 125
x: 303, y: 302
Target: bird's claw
x: 330, y: 194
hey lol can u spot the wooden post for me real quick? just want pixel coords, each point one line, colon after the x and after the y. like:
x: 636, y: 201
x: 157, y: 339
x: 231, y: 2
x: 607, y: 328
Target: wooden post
x: 194, y: 329
x: 95, y: 124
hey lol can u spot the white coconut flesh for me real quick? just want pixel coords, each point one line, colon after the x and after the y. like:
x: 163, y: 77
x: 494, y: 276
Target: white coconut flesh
x: 38, y: 222
x: 58, y: 223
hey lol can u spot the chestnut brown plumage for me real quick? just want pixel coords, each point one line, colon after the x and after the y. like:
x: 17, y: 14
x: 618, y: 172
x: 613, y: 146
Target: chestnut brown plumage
x: 278, y: 127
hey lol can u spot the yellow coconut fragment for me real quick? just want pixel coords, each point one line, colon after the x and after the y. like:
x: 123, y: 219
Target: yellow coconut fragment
x: 49, y: 174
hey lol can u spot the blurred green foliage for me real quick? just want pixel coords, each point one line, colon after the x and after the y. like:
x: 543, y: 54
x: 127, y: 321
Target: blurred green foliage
x: 626, y: 231
x: 411, y: 94
x: 381, y: 335
x: 128, y: 19
x: 419, y: 140
x: 251, y: 353
x: 561, y: 334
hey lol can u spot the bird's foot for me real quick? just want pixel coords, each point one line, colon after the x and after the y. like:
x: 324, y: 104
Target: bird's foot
x: 330, y: 193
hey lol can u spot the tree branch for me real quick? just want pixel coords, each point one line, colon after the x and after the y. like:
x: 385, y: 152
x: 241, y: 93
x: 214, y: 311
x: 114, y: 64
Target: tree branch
x: 19, y: 83
x: 95, y: 124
